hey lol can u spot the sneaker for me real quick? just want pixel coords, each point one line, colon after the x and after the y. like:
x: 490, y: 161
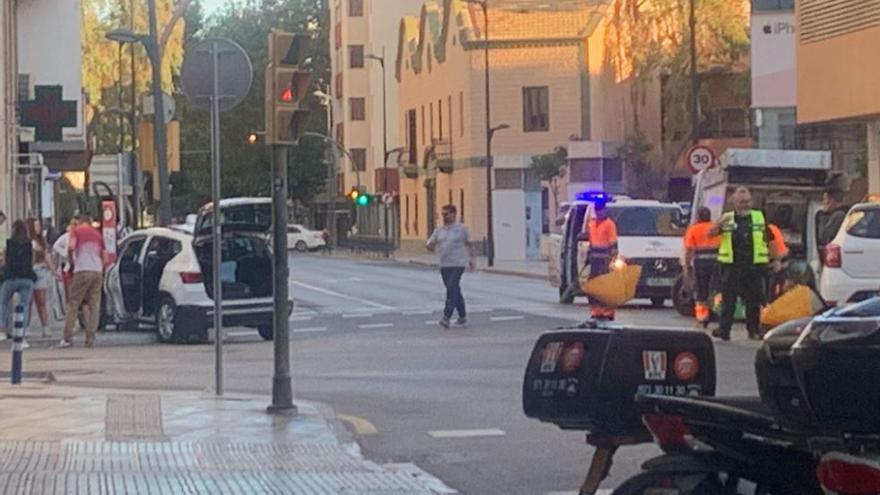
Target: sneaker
x: 64, y: 344
x: 25, y: 345
x: 461, y: 322
x: 444, y: 323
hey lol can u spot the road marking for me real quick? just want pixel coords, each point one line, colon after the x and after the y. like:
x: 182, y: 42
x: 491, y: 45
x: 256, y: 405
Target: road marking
x: 343, y: 296
x: 376, y: 325
x: 361, y: 426
x: 301, y: 318
x: 506, y: 318
x: 432, y: 322
x: 490, y: 432
x: 310, y: 330
x: 359, y: 315
x: 474, y: 311
x: 416, y: 313
x: 240, y: 333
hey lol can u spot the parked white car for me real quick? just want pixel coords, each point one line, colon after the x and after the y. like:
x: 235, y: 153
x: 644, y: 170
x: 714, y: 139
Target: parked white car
x: 851, y: 271
x: 164, y: 276
x: 303, y: 239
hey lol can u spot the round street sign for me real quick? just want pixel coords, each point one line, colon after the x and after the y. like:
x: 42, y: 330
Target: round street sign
x: 234, y: 71
x: 700, y: 158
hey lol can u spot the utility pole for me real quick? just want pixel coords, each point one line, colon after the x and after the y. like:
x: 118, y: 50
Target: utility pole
x: 159, y: 135
x: 695, y: 78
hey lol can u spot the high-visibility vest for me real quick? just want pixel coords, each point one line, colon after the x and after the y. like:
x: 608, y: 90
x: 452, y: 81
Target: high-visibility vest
x: 697, y: 238
x: 760, y: 249
x: 603, y: 238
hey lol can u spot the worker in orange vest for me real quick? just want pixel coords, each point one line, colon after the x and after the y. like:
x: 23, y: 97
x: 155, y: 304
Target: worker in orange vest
x: 779, y: 250
x: 701, y: 255
x: 603, y: 249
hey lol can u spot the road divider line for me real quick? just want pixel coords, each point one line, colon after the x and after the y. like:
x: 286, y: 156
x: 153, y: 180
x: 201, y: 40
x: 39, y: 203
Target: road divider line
x: 506, y: 318
x: 359, y: 315
x: 301, y: 318
x: 488, y: 432
x: 361, y: 426
x: 343, y: 296
x: 376, y: 325
x: 310, y: 330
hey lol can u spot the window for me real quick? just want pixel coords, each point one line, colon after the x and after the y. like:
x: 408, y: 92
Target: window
x: 449, y: 201
x: 406, y: 214
x: 423, y: 125
x: 293, y: 230
x: 356, y: 56
x: 431, y: 119
x: 508, y: 178
x: 536, y: 109
x: 357, y: 108
x: 131, y: 251
x: 612, y: 170
x: 440, y: 117
x: 449, y: 105
x: 340, y: 133
x: 461, y: 200
x: 461, y: 113
x: 356, y: 8
x: 646, y: 222
x: 358, y: 159
x: 864, y: 222
x: 411, y: 135
x: 586, y: 170
x: 416, y: 220
x: 164, y: 248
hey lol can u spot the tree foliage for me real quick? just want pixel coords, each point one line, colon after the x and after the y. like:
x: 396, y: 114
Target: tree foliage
x: 551, y: 168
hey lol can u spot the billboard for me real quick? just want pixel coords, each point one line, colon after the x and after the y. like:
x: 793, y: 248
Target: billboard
x: 774, y: 73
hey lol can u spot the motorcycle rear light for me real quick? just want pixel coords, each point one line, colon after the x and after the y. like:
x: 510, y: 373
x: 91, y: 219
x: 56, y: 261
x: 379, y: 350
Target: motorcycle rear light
x: 671, y: 433
x: 833, y: 256
x: 191, y: 277
x: 849, y: 475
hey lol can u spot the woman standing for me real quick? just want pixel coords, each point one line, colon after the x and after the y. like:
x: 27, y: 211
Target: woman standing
x: 19, y: 276
x: 43, y: 268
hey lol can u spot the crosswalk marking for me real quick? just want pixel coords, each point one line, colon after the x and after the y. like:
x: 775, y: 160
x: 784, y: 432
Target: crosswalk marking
x: 310, y: 330
x: 506, y: 318
x: 376, y: 325
x: 487, y: 432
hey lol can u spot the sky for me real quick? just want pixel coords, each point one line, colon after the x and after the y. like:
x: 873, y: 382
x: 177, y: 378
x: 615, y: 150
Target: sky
x: 211, y: 6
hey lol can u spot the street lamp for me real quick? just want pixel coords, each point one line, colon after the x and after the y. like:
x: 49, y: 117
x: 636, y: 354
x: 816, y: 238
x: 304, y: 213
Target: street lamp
x: 326, y: 101
x: 490, y: 236
x: 385, y: 152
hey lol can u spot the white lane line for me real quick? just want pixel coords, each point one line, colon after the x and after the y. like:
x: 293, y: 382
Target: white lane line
x: 489, y: 432
x: 358, y: 315
x: 310, y: 330
x: 343, y: 296
x: 416, y: 313
x: 432, y: 322
x: 240, y: 334
x: 301, y: 318
x: 376, y: 325
x: 506, y: 318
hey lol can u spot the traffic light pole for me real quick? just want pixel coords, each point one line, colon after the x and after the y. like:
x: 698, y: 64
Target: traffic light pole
x: 282, y: 389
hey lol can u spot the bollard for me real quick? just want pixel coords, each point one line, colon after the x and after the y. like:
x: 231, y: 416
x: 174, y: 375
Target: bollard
x: 17, y: 340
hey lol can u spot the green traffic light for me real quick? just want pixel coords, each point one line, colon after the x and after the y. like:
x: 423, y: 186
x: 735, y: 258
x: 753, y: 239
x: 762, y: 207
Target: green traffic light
x: 363, y: 200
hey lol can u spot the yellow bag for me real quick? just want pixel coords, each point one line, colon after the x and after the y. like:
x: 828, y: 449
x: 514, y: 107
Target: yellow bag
x: 797, y: 302
x: 614, y: 288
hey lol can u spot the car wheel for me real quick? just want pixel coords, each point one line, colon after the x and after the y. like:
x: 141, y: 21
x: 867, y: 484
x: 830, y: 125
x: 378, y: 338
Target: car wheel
x: 658, y: 302
x: 266, y: 331
x: 301, y: 246
x: 566, y: 295
x: 166, y: 322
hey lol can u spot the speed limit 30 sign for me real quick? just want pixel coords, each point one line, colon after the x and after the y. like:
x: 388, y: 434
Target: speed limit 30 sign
x: 700, y: 158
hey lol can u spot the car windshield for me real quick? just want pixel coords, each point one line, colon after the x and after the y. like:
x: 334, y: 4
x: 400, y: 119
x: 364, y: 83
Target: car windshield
x: 864, y: 223
x: 646, y: 221
x: 241, y: 218
x: 866, y: 309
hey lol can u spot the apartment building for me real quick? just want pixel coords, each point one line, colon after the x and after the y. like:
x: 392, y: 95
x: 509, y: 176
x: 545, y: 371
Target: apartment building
x: 837, y: 71
x: 363, y: 41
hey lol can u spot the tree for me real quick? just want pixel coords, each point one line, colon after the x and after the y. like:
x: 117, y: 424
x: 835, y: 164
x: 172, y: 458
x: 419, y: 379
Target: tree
x: 650, y: 39
x: 551, y: 168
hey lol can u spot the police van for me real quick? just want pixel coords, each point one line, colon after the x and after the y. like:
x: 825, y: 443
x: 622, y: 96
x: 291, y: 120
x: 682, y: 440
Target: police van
x: 649, y: 234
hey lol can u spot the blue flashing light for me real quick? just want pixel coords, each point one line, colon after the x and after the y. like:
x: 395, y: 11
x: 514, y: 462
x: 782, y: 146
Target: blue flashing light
x: 598, y: 197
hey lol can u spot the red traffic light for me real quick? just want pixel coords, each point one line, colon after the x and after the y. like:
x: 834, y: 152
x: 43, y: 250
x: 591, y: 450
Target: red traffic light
x: 286, y: 95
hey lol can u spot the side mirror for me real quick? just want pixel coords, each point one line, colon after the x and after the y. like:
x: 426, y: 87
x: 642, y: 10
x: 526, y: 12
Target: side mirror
x: 583, y: 237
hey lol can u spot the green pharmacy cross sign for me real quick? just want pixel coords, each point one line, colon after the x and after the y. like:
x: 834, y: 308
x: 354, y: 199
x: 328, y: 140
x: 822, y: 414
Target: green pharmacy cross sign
x: 48, y: 113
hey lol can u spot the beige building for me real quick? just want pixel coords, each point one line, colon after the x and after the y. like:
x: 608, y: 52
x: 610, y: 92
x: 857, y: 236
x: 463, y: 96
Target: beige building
x: 551, y: 86
x: 363, y: 32
x: 837, y: 71
x: 7, y: 102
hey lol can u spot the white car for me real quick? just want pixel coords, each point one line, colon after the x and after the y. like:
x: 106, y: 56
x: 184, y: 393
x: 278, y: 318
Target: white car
x: 303, y: 239
x: 164, y: 276
x: 851, y: 271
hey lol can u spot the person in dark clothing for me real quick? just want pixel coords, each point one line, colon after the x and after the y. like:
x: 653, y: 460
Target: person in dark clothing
x: 19, y: 276
x: 744, y: 255
x: 829, y: 220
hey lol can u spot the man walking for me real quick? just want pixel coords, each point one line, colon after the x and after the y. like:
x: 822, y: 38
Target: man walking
x: 744, y: 255
x: 701, y: 252
x: 86, y: 251
x: 453, y: 242
x: 602, y: 232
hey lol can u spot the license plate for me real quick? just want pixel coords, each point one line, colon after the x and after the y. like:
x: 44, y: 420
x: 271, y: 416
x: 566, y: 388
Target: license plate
x: 661, y: 491
x: 659, y: 282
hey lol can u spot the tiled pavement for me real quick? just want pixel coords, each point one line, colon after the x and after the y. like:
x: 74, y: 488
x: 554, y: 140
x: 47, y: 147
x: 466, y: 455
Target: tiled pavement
x: 60, y: 440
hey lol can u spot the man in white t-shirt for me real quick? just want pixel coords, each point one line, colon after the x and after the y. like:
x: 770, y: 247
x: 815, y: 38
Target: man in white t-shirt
x: 452, y: 242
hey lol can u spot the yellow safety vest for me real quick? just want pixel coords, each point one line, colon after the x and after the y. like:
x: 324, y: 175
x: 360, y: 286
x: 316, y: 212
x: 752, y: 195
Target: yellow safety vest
x: 760, y: 249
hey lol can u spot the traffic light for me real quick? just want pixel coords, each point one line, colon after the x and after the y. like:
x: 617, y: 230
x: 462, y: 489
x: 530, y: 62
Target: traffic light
x: 287, y: 83
x: 360, y: 198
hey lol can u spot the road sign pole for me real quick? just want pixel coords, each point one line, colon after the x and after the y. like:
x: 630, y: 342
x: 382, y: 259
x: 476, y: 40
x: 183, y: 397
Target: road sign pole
x: 17, y: 344
x: 217, y: 224
x: 282, y: 389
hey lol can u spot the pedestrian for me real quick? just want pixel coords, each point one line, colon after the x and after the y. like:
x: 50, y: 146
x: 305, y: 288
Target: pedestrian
x: 328, y: 248
x: 779, y: 250
x: 603, y: 249
x: 44, y: 269
x: 829, y: 219
x: 744, y: 255
x: 19, y: 275
x: 452, y: 242
x: 701, y: 256
x: 86, y: 250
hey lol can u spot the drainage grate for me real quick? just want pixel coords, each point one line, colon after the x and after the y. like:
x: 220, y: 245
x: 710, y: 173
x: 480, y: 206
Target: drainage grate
x: 133, y: 417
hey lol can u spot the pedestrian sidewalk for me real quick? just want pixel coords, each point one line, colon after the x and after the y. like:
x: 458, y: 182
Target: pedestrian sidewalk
x: 61, y: 440
x: 528, y: 269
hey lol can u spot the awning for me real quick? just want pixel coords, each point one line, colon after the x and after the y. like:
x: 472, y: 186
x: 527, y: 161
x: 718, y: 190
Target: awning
x: 63, y: 156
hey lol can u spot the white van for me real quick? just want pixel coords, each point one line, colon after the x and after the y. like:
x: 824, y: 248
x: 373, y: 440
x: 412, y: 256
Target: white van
x: 649, y: 234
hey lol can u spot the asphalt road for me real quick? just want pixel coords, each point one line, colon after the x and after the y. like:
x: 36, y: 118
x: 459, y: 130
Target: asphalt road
x: 366, y: 343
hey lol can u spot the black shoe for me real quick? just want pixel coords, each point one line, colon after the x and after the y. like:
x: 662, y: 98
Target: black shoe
x: 755, y: 336
x: 718, y: 334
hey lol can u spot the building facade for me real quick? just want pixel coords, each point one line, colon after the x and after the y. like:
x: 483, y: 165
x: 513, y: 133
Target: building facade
x: 364, y: 40
x: 838, y: 77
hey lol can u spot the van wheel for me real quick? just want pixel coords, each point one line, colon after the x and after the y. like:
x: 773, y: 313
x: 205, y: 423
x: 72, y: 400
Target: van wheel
x: 301, y: 246
x: 266, y: 331
x: 566, y: 295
